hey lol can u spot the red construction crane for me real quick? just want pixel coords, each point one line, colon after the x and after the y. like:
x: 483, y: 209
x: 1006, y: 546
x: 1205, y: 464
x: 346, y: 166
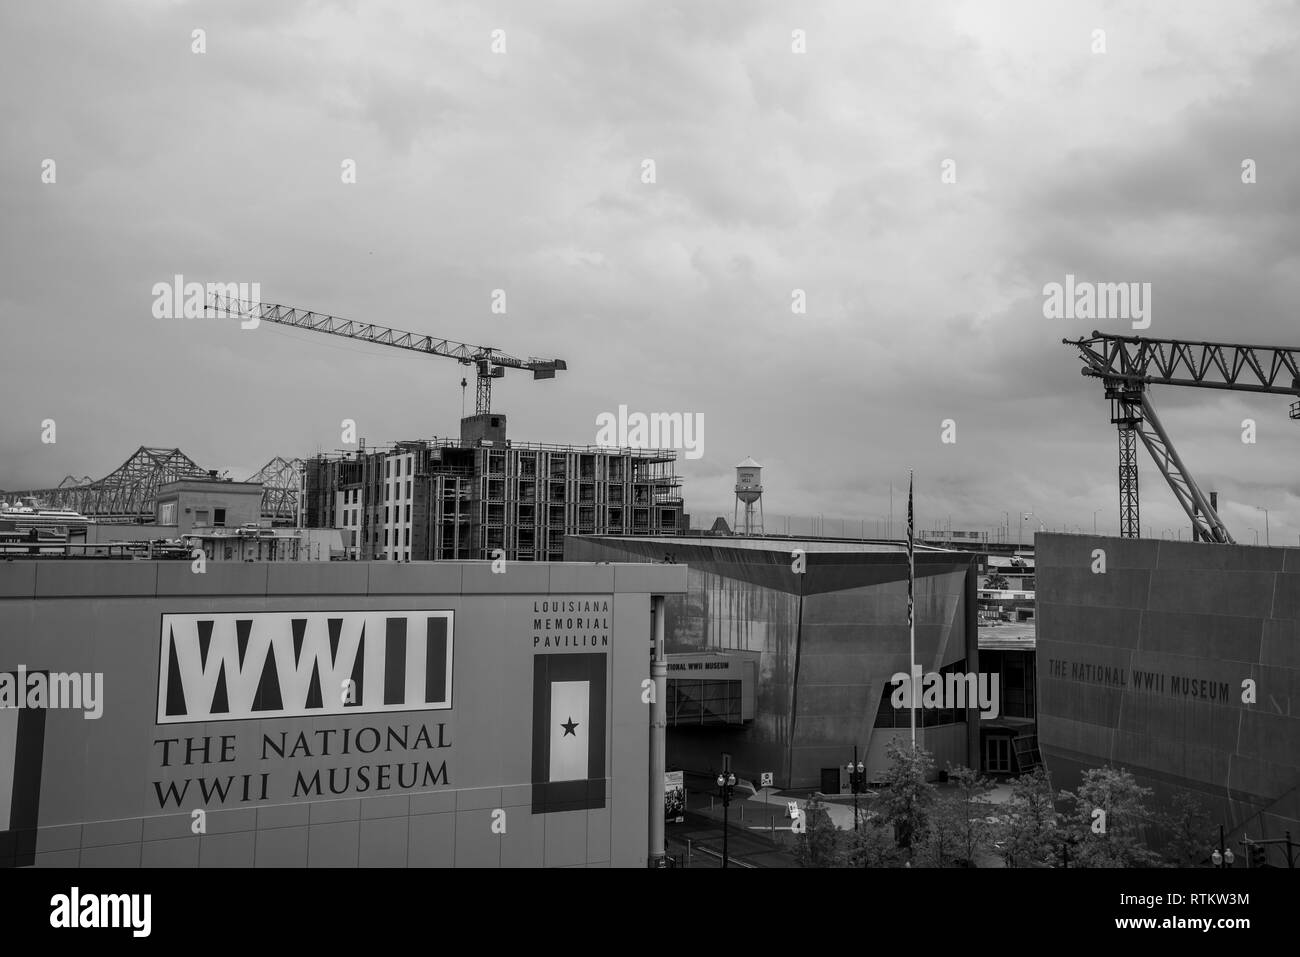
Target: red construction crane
x: 1127, y: 365
x: 489, y: 362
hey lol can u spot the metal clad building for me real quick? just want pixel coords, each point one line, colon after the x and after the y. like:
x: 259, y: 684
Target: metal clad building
x: 1146, y: 666
x: 823, y: 643
x: 334, y: 714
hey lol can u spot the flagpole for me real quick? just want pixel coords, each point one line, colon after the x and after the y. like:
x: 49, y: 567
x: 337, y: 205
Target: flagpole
x: 911, y: 616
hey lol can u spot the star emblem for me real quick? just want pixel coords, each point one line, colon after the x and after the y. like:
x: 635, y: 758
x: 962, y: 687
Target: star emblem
x: 568, y: 727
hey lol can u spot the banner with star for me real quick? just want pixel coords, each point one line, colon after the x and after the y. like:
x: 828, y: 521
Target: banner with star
x: 568, y: 732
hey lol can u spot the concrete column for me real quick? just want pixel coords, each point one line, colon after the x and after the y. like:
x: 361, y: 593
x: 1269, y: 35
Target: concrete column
x: 658, y: 734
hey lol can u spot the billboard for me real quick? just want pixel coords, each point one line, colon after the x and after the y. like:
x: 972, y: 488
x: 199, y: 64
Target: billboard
x: 674, y: 797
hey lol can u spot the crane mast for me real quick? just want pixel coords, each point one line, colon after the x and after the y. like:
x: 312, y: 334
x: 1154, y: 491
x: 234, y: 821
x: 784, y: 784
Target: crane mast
x: 1128, y: 365
x: 489, y: 363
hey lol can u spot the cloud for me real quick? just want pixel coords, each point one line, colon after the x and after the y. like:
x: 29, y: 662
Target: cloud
x: 776, y: 171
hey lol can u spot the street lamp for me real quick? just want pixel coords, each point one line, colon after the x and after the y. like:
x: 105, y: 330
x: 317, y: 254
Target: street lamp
x: 857, y: 783
x: 1252, y: 528
x: 726, y: 784
x: 1222, y: 855
x: 1024, y: 516
x: 1067, y: 843
x: 1261, y: 508
x: 1094, y: 519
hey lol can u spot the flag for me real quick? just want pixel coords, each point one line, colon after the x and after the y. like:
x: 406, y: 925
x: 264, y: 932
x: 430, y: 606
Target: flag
x: 911, y: 557
x: 911, y: 619
x: 22, y: 748
x: 568, y: 732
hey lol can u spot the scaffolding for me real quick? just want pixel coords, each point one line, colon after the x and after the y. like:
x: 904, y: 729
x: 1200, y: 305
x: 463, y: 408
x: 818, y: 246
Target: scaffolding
x: 485, y: 500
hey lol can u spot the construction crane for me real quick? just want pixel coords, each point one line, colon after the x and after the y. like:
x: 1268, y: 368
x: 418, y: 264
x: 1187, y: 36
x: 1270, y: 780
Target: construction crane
x: 489, y: 362
x: 1127, y: 365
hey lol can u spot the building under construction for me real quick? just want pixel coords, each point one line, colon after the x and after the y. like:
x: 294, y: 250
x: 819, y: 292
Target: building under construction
x: 446, y: 499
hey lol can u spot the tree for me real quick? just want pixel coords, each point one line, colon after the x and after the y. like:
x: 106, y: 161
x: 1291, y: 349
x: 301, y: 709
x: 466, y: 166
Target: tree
x: 819, y: 845
x: 997, y: 582
x: 870, y: 846
x: 958, y: 827
x: 1191, y: 832
x: 975, y: 831
x: 940, y: 843
x: 1027, y: 829
x: 908, y: 794
x: 1115, y: 837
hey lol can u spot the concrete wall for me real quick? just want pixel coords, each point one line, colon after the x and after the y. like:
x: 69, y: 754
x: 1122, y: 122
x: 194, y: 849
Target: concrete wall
x: 1180, y: 626
x: 106, y: 788
x: 97, y: 534
x: 829, y: 640
x: 241, y: 500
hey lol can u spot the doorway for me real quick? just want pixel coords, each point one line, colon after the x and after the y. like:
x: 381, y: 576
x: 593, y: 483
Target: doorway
x: 830, y: 780
x: 997, y: 755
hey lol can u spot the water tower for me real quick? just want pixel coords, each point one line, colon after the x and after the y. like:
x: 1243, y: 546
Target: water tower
x: 749, y: 490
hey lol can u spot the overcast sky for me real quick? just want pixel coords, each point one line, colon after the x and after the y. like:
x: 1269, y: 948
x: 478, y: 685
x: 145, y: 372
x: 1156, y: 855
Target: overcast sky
x: 774, y: 171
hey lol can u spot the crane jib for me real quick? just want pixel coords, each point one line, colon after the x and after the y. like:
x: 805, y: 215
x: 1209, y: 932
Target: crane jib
x: 490, y: 364
x: 1129, y: 365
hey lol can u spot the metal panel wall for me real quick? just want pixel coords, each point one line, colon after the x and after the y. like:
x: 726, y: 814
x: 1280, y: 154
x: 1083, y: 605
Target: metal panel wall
x: 1144, y: 665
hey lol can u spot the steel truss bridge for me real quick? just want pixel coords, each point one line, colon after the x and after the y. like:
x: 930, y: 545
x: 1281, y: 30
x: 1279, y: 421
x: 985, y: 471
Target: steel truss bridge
x: 128, y: 493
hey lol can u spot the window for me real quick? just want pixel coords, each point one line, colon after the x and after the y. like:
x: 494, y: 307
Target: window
x: 386, y: 519
x: 399, y: 468
x: 167, y: 513
x: 219, y: 517
x: 200, y: 516
x: 407, y: 538
x: 408, y: 488
x: 229, y: 553
x: 408, y: 513
x: 997, y: 755
x: 385, y: 537
x: 388, y: 469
